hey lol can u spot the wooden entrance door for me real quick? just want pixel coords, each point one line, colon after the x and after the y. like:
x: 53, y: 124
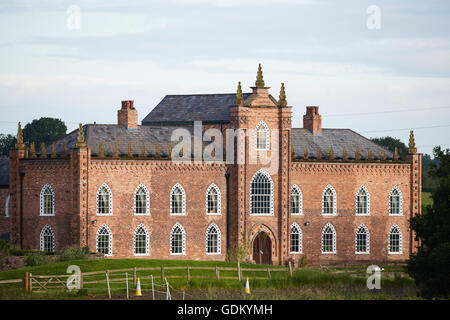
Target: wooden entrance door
x: 262, y: 249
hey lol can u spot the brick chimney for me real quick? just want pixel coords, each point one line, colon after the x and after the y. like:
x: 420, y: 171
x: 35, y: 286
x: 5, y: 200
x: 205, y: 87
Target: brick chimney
x: 128, y: 115
x: 312, y: 120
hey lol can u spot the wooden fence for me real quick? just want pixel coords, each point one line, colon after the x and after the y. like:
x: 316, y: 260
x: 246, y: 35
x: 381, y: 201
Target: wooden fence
x: 40, y: 282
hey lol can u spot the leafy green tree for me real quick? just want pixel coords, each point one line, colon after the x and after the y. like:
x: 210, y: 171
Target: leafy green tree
x: 390, y: 143
x: 430, y: 266
x: 46, y: 130
x: 7, y: 142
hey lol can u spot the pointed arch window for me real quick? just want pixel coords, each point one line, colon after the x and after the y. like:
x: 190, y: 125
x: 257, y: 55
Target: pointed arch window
x: 213, y: 200
x: 261, y: 194
x: 47, y: 239
x: 47, y: 203
x: 104, y: 200
x: 363, y: 202
x: 395, y: 240
x: 296, y: 239
x: 104, y: 240
x: 7, y: 206
x: 329, y: 201
x: 395, y: 202
x: 362, y: 240
x: 141, y: 241
x: 177, y: 200
x: 328, y: 239
x: 141, y: 200
x: 213, y: 239
x: 177, y: 240
x: 296, y: 200
x: 262, y: 136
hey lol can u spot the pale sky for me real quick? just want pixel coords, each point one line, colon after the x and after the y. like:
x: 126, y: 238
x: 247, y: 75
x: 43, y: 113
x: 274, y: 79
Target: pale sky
x: 322, y: 50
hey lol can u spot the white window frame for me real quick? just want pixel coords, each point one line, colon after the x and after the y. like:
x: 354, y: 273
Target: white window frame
x: 334, y: 238
x: 183, y: 239
x: 42, y: 200
x: 110, y: 200
x: 147, y: 200
x: 366, y: 230
x: 300, y: 239
x: 147, y: 241
x: 265, y: 173
x: 7, y: 206
x: 400, y: 240
x: 362, y: 188
x: 400, y: 205
x: 110, y: 246
x: 219, y: 207
x: 219, y: 242
x: 183, y: 200
x: 300, y: 200
x: 267, y: 131
x: 333, y: 191
x: 41, y: 238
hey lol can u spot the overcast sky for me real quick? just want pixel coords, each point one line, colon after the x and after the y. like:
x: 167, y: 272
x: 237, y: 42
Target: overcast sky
x: 323, y: 51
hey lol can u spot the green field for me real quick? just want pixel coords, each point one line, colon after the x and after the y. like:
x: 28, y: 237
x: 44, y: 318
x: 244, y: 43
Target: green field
x: 306, y: 283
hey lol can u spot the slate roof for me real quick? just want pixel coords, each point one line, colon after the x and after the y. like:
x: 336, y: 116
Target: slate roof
x: 4, y: 172
x: 338, y: 138
x: 184, y: 109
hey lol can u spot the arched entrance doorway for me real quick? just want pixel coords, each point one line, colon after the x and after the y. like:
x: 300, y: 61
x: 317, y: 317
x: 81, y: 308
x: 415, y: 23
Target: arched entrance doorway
x: 262, y: 248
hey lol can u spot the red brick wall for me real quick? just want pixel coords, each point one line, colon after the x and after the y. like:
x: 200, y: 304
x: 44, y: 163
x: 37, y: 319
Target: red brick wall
x: 4, y: 221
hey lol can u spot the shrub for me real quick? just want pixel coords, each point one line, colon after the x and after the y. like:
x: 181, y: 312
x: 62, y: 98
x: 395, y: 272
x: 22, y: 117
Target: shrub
x: 73, y: 254
x: 4, y: 247
x: 36, y: 258
x: 8, y: 263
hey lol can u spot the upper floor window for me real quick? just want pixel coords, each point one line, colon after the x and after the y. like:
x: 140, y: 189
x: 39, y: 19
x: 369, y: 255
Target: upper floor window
x: 177, y: 200
x: 141, y: 241
x: 329, y: 201
x: 104, y: 200
x: 395, y: 201
x: 362, y: 202
x: 296, y: 239
x: 47, y: 201
x: 362, y: 240
x: 7, y: 206
x: 262, y: 136
x: 395, y: 240
x: 213, y: 239
x: 141, y: 201
x: 296, y: 200
x: 177, y: 240
x: 261, y: 194
x: 328, y: 239
x: 104, y: 240
x: 47, y: 239
x: 213, y: 200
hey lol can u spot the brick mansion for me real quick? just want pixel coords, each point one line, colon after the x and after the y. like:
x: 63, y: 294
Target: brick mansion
x: 334, y: 195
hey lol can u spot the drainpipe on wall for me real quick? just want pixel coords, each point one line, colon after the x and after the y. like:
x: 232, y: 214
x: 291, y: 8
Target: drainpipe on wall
x: 22, y: 174
x: 227, y: 177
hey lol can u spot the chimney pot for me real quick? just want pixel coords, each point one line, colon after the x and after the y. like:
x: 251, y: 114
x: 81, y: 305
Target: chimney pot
x: 312, y: 120
x: 127, y: 115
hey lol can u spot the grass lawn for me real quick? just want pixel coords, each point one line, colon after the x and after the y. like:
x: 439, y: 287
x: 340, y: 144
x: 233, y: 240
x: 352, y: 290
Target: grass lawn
x: 306, y: 283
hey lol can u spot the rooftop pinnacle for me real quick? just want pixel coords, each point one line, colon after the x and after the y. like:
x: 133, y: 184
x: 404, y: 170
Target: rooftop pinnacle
x: 239, y: 98
x: 259, y: 78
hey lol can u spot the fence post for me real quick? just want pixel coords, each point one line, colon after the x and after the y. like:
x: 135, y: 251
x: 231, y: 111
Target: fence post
x: 153, y: 289
x: 162, y: 272
x: 134, y: 276
x: 290, y: 268
x: 188, y: 273
x: 239, y: 270
x: 81, y: 280
x: 26, y: 281
x: 107, y: 283
x: 126, y: 279
x: 217, y: 273
x: 268, y: 273
x: 31, y: 282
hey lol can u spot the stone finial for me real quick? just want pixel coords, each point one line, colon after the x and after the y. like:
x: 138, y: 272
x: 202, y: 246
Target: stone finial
x: 344, y: 154
x: 115, y: 152
x: 19, y: 144
x: 27, y: 153
x: 395, y: 154
x: 130, y: 153
x: 383, y: 155
x: 101, y: 152
x: 80, y: 139
x: 259, y: 78
x: 357, y: 155
x: 64, y: 150
x: 292, y: 152
x: 53, y: 155
x: 305, y: 153
x: 170, y: 151
x: 157, y: 152
x: 369, y: 155
x: 239, y: 98
x: 43, y: 151
x: 331, y: 154
x: 282, y: 102
x: 319, y: 154
x: 412, y: 144
x: 143, y: 153
x: 32, y: 151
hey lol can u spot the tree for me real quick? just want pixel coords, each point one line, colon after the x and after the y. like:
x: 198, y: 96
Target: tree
x: 431, y: 264
x: 390, y: 143
x: 7, y: 142
x: 46, y: 130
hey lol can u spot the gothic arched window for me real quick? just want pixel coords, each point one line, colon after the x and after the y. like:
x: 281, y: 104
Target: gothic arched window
x: 261, y: 194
